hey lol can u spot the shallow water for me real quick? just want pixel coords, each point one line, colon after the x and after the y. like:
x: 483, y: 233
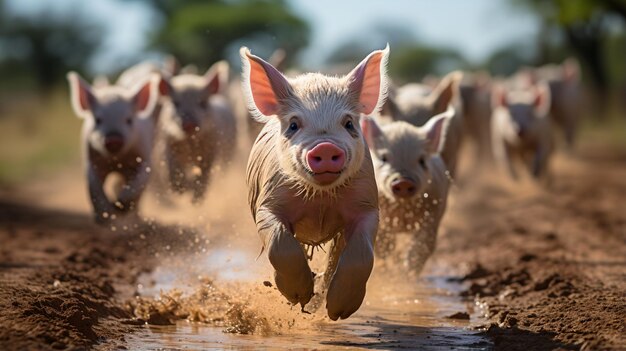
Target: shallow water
x: 396, y: 314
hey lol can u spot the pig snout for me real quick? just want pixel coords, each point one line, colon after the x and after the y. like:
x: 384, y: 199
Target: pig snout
x: 114, y: 142
x: 403, y: 187
x: 326, y: 161
x: 190, y: 127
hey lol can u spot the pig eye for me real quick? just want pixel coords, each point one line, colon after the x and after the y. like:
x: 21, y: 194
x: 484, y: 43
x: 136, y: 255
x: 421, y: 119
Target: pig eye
x: 98, y: 121
x: 203, y: 103
x: 129, y: 121
x: 349, y: 125
x: 293, y: 126
x: 422, y: 162
x: 384, y: 158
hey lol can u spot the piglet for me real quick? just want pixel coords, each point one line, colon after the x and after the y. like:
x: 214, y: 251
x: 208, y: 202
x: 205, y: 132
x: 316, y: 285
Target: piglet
x: 412, y: 183
x: 417, y: 103
x: 310, y: 177
x: 521, y: 129
x: 198, y: 128
x: 117, y: 137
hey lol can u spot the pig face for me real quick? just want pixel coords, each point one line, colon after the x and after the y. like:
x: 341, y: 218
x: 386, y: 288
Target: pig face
x: 418, y: 103
x: 110, y: 112
x: 321, y: 145
x: 188, y: 111
x: 402, y: 154
x: 524, y: 111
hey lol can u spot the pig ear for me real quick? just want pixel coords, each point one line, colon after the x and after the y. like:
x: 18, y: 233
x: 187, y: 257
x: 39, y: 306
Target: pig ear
x: 171, y: 66
x: 571, y: 70
x: 498, y: 97
x: 81, y: 95
x: 263, y: 86
x: 371, y: 131
x: 368, y: 81
x: 542, y: 100
x: 217, y: 77
x: 145, y: 97
x: 164, y: 86
x: 436, y: 129
x: 445, y: 91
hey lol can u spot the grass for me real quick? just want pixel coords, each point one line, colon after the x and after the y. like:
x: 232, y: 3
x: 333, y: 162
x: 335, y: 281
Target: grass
x: 37, y: 136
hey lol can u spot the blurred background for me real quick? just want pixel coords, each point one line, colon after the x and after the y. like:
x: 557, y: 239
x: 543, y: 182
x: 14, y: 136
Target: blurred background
x: 41, y: 40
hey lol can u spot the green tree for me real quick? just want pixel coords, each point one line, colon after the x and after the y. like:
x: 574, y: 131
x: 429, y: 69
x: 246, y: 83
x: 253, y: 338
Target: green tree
x: 203, y: 32
x: 585, y: 26
x: 410, y: 60
x: 43, y: 46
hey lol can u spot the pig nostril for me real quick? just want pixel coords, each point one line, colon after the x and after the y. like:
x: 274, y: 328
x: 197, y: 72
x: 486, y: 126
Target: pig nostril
x: 317, y: 158
x: 335, y: 158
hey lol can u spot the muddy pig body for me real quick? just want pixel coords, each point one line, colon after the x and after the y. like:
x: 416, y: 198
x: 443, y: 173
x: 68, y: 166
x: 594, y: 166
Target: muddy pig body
x: 522, y: 130
x: 417, y: 103
x: 412, y: 184
x: 198, y: 128
x: 310, y: 176
x: 117, y: 136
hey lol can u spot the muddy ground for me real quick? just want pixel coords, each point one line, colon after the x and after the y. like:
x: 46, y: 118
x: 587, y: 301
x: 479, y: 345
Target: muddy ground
x: 546, y: 266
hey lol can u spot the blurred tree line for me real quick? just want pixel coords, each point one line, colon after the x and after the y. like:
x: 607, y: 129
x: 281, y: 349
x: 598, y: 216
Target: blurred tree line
x: 37, y: 49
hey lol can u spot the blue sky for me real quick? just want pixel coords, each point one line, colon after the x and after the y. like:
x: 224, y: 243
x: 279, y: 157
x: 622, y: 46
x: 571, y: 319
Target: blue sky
x: 474, y: 27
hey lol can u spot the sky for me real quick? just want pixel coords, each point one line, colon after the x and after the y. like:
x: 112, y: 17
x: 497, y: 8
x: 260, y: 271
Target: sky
x: 474, y: 27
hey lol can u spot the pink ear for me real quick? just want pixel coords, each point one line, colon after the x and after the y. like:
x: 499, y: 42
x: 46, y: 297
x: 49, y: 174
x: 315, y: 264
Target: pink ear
x: 371, y: 130
x: 436, y: 128
x: 216, y: 76
x: 571, y: 70
x: 498, y: 97
x: 81, y: 94
x: 263, y: 85
x: 445, y: 90
x: 142, y: 99
x: 369, y: 81
x: 165, y: 88
x: 542, y: 99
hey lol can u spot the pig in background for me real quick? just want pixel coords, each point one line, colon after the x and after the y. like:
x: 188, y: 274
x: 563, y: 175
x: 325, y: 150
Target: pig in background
x: 117, y: 137
x: 198, y: 128
x: 566, y: 93
x: 412, y: 184
x: 417, y: 103
x: 310, y: 177
x: 475, y: 89
x: 522, y: 129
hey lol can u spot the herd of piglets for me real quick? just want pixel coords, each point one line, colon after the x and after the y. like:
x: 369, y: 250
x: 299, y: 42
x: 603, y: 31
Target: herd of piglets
x: 354, y: 161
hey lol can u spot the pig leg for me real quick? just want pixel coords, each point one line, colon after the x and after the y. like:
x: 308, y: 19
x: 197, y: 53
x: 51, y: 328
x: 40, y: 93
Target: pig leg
x: 201, y: 182
x: 421, y: 248
x: 176, y: 173
x: 99, y: 201
x: 292, y: 274
x: 540, y: 163
x: 337, y: 247
x: 136, y: 183
x: 347, y: 286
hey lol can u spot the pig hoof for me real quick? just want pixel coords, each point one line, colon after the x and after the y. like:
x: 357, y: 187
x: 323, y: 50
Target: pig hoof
x: 341, y: 305
x: 295, y: 290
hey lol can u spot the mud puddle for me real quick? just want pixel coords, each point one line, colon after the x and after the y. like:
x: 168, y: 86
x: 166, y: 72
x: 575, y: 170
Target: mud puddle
x: 396, y: 314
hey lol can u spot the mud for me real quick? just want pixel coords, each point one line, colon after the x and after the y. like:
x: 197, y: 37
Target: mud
x: 540, y: 267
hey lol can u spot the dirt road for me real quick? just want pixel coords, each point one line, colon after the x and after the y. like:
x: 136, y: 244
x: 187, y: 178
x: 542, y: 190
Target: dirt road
x: 538, y: 268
